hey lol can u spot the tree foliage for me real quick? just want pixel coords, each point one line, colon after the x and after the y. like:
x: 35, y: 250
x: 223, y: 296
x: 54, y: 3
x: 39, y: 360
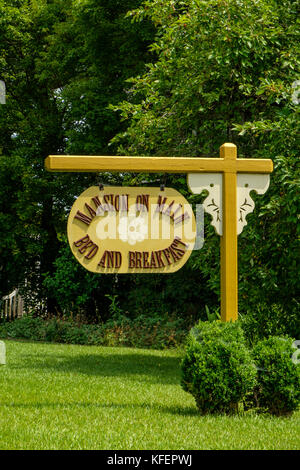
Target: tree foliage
x: 227, y: 71
x: 61, y: 64
x: 217, y: 71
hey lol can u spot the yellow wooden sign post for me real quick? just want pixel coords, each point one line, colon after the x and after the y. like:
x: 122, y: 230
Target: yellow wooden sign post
x: 231, y: 209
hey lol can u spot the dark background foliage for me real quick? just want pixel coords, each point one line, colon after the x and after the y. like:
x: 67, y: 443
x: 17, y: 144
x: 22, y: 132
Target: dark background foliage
x: 204, y: 72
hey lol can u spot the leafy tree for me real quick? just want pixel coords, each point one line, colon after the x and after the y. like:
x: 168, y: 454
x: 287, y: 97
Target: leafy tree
x: 218, y: 71
x: 226, y: 71
x: 95, y: 50
x: 61, y: 63
x: 31, y: 127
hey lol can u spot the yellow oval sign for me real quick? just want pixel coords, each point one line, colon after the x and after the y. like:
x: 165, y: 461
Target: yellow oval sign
x: 131, y: 230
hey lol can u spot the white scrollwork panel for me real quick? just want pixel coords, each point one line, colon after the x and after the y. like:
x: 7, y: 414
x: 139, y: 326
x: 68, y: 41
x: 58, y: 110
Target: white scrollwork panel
x: 213, y: 204
x: 245, y: 183
x: 211, y: 182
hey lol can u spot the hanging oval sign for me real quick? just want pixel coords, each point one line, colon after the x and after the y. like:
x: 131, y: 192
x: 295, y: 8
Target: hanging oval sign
x: 131, y: 230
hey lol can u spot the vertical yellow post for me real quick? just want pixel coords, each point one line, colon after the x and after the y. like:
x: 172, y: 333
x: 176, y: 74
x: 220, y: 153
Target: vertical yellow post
x: 229, y: 260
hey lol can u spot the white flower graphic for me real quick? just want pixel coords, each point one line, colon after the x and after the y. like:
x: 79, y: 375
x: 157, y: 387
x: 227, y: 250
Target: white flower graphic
x: 133, y: 229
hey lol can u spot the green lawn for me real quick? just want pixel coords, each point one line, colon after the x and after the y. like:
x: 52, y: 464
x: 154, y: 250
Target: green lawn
x: 84, y: 397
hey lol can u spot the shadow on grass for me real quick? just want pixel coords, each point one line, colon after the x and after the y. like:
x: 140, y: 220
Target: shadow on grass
x: 173, y: 410
x: 141, y: 366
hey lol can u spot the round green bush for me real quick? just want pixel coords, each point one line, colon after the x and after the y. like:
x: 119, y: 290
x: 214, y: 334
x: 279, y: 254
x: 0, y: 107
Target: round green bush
x: 217, y: 368
x: 278, y: 383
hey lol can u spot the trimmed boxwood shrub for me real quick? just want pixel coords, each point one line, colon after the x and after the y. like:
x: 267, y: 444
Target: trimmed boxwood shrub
x: 217, y: 368
x: 278, y: 385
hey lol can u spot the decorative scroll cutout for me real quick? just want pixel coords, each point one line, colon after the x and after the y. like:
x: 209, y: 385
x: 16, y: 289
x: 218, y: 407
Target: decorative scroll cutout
x: 213, y: 205
x: 211, y: 182
x: 245, y: 184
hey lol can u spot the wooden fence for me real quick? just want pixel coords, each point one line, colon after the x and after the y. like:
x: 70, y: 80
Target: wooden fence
x: 12, y: 306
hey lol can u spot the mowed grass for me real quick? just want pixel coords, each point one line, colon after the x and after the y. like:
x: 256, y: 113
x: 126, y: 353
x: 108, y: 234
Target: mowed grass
x: 84, y: 397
